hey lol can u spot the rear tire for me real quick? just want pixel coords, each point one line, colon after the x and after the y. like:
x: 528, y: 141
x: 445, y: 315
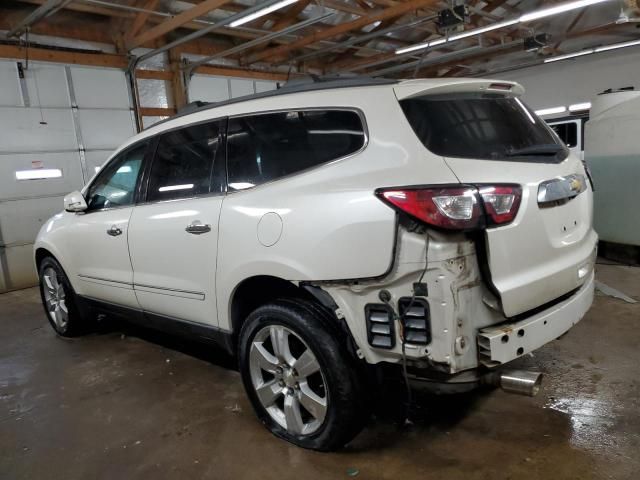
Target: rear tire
x: 300, y: 379
x: 59, y: 300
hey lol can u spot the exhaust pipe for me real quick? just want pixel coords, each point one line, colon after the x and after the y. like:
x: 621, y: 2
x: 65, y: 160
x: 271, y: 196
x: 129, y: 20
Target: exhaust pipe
x: 522, y: 382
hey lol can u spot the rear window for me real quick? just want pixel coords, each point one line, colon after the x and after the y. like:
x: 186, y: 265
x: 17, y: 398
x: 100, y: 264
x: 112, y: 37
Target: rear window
x: 482, y: 126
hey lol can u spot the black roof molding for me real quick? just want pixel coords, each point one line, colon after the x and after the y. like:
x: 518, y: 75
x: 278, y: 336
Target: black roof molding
x: 305, y: 84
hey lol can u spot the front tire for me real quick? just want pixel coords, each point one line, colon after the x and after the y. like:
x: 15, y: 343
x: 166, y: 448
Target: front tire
x: 299, y: 377
x: 59, y: 300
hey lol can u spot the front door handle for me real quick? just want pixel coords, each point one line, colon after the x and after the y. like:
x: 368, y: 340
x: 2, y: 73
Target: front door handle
x: 114, y: 231
x: 198, y: 228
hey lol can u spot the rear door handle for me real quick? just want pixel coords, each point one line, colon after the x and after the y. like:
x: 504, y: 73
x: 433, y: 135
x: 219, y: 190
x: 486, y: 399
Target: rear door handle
x: 198, y: 228
x: 114, y: 231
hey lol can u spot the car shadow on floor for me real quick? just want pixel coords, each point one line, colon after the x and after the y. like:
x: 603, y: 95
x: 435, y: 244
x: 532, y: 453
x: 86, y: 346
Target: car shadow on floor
x: 392, y: 414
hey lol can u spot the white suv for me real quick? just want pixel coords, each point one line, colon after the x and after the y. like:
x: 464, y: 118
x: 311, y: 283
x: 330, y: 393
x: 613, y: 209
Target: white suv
x: 322, y: 229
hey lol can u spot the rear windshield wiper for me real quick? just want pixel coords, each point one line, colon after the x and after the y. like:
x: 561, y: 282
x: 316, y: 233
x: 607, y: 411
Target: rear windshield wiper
x: 544, y: 149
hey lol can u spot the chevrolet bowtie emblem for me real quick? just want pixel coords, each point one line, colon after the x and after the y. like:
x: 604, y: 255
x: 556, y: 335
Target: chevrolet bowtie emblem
x: 576, y: 184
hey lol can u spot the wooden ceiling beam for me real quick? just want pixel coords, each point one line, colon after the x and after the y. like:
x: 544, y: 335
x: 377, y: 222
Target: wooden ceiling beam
x: 344, y: 7
x: 600, y: 29
x: 432, y: 70
x: 290, y: 16
x: 339, y: 29
x: 140, y: 20
x: 239, y: 72
x: 122, y: 62
x: 347, y: 63
x: 62, y: 56
x: 175, y: 22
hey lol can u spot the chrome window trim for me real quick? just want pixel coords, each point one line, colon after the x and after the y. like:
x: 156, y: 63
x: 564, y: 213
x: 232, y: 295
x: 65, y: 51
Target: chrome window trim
x: 356, y: 110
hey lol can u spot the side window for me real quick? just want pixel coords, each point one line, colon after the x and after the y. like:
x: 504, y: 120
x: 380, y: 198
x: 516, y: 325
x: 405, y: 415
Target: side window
x: 266, y: 147
x: 183, y: 163
x: 115, y: 186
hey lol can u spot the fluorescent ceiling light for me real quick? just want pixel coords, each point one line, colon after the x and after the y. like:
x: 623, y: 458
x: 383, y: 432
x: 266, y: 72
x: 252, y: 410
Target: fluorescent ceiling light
x: 485, y: 29
x: 420, y: 46
x: 551, y: 111
x: 589, y: 51
x: 563, y: 7
x: 171, y: 188
x: 567, y: 56
x: 261, y: 13
x: 38, y: 174
x: 576, y: 107
x: 527, y: 17
x: 618, y: 45
x: 124, y: 169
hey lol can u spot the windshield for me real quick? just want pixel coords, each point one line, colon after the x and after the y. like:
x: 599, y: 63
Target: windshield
x: 483, y: 126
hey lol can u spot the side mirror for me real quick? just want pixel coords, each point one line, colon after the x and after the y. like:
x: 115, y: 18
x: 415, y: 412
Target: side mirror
x: 75, y: 202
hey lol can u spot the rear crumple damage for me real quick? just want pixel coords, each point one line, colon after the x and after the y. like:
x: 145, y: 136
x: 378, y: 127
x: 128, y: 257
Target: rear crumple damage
x: 454, y: 299
x: 465, y: 321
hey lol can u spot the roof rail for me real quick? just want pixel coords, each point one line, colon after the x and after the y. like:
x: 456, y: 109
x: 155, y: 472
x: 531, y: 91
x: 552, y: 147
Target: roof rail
x: 310, y: 79
x: 616, y: 90
x: 192, y: 107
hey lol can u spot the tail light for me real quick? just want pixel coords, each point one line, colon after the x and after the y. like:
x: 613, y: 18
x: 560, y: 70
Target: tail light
x: 501, y: 203
x: 457, y: 207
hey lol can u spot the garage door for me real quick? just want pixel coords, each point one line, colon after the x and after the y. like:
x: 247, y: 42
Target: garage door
x: 57, y: 124
x: 208, y: 88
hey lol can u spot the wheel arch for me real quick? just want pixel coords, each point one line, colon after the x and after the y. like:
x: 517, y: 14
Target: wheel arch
x: 40, y: 254
x: 257, y: 290
x: 44, y: 251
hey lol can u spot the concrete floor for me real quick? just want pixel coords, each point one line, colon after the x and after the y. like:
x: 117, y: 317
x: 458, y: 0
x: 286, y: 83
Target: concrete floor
x: 132, y: 404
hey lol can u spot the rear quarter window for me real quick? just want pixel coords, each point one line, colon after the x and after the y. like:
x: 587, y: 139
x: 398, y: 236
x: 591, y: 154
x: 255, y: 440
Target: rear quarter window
x: 265, y: 147
x: 482, y: 126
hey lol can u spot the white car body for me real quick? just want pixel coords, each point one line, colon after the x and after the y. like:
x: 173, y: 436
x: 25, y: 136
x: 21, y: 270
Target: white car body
x: 325, y: 228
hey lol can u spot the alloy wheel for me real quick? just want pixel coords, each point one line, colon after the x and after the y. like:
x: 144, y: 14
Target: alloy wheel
x: 55, y: 298
x: 288, y: 380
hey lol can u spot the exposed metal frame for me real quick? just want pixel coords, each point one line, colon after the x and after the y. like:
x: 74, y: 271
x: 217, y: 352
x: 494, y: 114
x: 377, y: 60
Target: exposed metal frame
x: 76, y: 124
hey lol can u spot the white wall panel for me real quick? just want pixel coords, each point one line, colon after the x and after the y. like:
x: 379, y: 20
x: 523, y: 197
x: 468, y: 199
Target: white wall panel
x: 47, y: 85
x: 96, y: 158
x: 241, y: 87
x: 579, y: 79
x: 10, y: 187
x: 208, y: 89
x: 105, y: 128
x: 148, y: 121
x: 20, y: 220
x: 100, y: 88
x: 9, y: 84
x: 18, y: 263
x: 265, y: 86
x: 20, y: 130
